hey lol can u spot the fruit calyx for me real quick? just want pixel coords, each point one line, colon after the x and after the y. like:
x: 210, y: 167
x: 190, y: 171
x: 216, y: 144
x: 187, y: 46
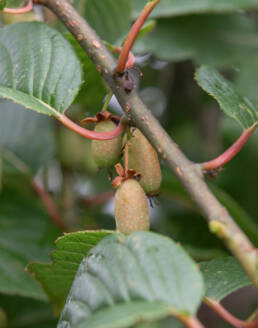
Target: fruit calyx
x: 100, y: 117
x: 124, y: 175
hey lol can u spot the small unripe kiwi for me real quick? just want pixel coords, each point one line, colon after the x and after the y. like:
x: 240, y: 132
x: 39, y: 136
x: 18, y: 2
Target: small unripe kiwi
x: 131, y: 208
x: 106, y: 153
x: 143, y: 158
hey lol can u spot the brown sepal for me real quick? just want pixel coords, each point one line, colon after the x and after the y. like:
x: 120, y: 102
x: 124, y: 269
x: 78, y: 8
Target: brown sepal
x: 124, y: 175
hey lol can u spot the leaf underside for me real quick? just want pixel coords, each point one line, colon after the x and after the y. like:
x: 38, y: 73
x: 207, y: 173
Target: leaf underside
x: 238, y: 107
x: 144, y: 276
x: 39, y: 68
x: 32, y: 135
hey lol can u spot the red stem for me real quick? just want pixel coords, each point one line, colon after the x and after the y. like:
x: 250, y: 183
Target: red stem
x: 22, y: 10
x: 190, y: 322
x: 229, y: 153
x: 130, y: 58
x: 129, y: 41
x: 228, y: 317
x: 49, y: 205
x: 89, y: 133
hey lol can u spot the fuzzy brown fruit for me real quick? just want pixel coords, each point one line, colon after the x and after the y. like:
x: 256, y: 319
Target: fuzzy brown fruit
x: 106, y: 153
x: 131, y: 208
x: 143, y: 158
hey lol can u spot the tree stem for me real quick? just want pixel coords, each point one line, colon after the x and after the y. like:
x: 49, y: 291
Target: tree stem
x: 229, y: 153
x: 129, y: 41
x: 189, y: 174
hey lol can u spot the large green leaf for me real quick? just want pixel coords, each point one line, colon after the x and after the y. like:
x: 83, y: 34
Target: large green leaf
x: 110, y: 18
x: 38, y: 68
x: 24, y: 134
x: 223, y: 276
x: 209, y: 39
x: 56, y: 278
x: 25, y: 236
x: 168, y: 8
x: 231, y: 102
x: 124, y: 280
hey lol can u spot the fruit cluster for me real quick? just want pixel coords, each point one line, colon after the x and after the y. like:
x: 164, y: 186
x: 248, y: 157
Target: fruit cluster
x: 140, y: 177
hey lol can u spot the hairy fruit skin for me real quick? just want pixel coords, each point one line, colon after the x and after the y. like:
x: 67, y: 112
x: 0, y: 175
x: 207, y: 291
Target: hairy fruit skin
x: 143, y: 158
x: 131, y: 208
x: 106, y: 153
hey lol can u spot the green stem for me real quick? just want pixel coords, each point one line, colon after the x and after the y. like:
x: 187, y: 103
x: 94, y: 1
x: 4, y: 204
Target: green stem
x: 107, y: 101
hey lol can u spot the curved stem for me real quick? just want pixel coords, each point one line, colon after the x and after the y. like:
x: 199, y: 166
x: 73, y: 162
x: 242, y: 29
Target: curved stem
x: 129, y: 41
x: 227, y: 316
x: 49, y: 205
x: 190, y: 322
x: 22, y: 10
x: 230, y: 152
x: 89, y: 134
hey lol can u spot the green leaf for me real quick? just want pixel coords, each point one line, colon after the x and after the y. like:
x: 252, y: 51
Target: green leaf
x: 24, y: 237
x: 185, y: 7
x: 38, y: 69
x: 223, y: 276
x: 56, y: 278
x: 126, y: 279
x: 24, y: 134
x: 110, y: 18
x: 231, y: 102
x: 225, y: 40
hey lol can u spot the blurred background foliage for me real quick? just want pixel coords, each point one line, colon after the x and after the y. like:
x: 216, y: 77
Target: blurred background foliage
x: 182, y: 35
